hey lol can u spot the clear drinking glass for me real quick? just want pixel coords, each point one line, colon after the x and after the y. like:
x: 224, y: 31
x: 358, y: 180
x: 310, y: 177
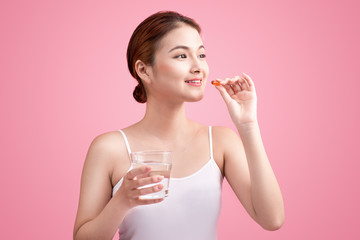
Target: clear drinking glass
x: 160, y: 163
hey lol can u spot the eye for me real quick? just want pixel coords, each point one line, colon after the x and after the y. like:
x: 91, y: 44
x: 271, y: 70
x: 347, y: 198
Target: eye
x: 181, y: 56
x: 202, y: 56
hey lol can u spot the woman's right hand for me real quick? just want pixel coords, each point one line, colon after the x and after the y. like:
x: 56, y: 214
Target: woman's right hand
x: 130, y: 194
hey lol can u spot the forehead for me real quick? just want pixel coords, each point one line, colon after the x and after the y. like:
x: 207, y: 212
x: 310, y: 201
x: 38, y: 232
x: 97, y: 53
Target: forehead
x: 182, y: 35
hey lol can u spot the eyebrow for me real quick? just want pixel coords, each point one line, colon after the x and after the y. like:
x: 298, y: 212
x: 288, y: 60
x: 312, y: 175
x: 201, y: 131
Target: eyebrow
x: 184, y: 47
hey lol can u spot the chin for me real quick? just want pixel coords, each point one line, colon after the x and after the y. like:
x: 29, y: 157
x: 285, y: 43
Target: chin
x: 195, y: 98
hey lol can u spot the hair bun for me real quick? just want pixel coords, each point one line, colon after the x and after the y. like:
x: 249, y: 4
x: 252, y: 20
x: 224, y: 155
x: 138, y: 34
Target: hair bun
x: 139, y: 93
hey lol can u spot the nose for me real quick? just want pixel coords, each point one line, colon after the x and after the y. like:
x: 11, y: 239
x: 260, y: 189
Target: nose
x: 195, y: 66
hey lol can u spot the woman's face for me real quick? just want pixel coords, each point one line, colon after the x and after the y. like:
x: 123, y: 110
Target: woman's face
x: 180, y: 69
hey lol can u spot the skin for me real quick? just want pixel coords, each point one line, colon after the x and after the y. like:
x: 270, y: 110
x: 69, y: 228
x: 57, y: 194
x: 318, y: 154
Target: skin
x: 243, y: 161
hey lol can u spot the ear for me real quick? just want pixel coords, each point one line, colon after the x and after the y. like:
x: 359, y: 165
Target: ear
x: 144, y: 71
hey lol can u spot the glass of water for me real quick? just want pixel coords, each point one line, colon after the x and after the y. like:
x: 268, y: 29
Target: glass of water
x: 160, y: 163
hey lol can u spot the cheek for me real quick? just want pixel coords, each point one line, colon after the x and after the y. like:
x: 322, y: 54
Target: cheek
x: 170, y: 70
x: 165, y: 68
x: 205, y: 68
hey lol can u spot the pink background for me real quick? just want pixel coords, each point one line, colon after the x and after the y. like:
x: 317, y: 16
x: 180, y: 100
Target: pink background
x: 64, y: 80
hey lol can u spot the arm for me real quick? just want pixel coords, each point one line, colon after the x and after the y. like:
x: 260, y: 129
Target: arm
x: 247, y: 167
x: 99, y: 215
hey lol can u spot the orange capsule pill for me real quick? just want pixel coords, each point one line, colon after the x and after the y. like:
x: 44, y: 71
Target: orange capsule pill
x: 215, y: 82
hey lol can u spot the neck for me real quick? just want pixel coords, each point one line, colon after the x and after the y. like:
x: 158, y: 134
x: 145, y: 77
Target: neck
x: 165, y: 120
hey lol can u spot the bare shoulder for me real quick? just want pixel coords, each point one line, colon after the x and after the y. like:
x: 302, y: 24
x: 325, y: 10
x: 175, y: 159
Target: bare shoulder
x: 108, y: 142
x: 107, y: 151
x: 224, y: 139
x: 224, y: 135
x: 227, y: 142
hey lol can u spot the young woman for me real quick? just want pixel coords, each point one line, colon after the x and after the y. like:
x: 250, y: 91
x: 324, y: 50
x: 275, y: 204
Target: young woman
x: 167, y: 57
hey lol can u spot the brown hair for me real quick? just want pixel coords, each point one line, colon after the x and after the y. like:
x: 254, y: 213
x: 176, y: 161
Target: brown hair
x: 144, y: 40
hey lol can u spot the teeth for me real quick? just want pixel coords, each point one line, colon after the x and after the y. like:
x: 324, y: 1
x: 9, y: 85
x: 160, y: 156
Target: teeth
x: 193, y: 81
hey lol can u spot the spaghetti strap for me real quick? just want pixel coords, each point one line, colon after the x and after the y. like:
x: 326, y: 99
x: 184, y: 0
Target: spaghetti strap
x: 210, y: 142
x: 126, y: 142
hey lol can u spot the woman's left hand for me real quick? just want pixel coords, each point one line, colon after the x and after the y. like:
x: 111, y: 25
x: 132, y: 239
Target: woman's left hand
x: 240, y: 97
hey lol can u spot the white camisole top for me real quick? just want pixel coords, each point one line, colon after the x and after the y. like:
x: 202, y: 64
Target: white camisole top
x: 191, y: 211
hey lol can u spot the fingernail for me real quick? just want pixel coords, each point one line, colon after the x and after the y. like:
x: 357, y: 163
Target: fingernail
x: 160, y: 177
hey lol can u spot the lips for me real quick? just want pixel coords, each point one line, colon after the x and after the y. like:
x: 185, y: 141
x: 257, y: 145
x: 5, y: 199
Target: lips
x: 194, y: 82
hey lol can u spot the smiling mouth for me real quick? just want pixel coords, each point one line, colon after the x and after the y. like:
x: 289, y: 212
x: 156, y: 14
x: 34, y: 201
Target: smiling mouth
x: 193, y: 81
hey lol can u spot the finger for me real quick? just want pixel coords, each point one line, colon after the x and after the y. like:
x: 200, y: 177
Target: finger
x: 249, y: 82
x: 229, y: 89
x: 245, y: 83
x: 144, y: 175
x: 148, y: 201
x: 227, y: 81
x: 137, y: 171
x: 146, y: 181
x: 227, y: 85
x: 242, y: 83
x: 147, y: 190
x: 224, y: 93
x: 236, y: 86
x: 232, y: 83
